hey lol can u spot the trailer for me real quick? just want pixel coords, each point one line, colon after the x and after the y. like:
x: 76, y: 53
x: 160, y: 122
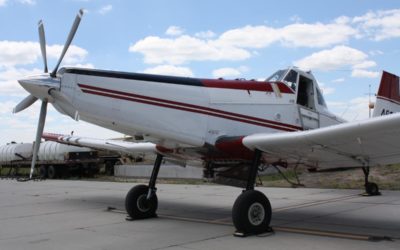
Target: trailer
x: 55, y: 160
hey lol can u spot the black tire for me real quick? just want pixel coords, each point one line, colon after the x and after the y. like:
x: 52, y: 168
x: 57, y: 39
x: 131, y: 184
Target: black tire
x: 372, y: 188
x: 251, y: 213
x: 137, y: 205
x: 43, y: 172
x: 52, y: 172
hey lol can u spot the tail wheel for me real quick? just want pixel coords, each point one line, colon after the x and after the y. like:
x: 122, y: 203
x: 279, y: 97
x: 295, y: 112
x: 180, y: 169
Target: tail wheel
x: 251, y: 213
x: 138, y: 206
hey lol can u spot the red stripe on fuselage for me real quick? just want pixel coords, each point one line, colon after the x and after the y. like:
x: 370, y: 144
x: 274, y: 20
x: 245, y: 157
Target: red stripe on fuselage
x: 186, y: 107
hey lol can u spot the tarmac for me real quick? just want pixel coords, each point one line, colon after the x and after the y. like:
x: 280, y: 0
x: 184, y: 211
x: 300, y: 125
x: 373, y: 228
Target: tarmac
x: 72, y: 214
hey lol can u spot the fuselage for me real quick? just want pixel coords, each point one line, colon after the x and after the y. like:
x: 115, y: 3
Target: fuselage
x: 192, y: 113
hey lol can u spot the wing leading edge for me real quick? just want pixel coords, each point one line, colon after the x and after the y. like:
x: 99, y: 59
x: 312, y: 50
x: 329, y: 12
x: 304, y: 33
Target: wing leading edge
x: 372, y: 142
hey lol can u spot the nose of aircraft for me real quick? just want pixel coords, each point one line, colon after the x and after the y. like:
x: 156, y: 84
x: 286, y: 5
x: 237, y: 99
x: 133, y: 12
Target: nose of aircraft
x: 39, y: 85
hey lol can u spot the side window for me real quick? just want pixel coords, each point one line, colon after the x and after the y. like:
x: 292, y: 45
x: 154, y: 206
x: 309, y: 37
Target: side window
x: 320, y: 98
x: 291, y: 79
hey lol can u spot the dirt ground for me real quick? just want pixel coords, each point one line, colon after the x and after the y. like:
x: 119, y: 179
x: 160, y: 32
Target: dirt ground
x: 387, y: 177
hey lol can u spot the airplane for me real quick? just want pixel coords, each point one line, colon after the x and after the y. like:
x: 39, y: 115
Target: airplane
x: 232, y: 126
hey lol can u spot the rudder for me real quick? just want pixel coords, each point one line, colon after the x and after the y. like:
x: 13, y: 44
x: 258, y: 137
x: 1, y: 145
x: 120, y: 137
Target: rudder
x: 388, y: 97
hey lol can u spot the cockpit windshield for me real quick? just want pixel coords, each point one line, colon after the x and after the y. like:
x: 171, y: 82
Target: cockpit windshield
x: 289, y: 77
x: 277, y: 76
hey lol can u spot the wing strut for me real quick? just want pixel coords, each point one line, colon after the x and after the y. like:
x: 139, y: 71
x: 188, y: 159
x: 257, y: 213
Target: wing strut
x: 251, y: 180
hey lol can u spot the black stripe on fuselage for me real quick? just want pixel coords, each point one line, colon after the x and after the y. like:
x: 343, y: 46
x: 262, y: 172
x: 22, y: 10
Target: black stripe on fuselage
x: 136, y: 76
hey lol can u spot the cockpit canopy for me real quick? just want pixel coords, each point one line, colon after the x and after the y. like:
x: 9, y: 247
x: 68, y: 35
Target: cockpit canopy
x: 303, y: 83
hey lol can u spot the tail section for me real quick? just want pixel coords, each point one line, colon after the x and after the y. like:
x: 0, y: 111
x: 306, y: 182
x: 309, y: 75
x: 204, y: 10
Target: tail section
x: 388, y: 97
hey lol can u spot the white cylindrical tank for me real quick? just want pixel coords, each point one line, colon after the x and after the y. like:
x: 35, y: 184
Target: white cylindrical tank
x: 54, y: 151
x: 13, y: 151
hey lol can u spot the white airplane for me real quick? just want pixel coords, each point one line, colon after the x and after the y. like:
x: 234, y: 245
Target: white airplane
x: 233, y: 126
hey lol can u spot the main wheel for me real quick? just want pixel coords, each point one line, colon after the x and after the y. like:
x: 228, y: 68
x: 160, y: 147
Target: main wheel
x: 372, y: 188
x: 138, y: 206
x: 251, y: 213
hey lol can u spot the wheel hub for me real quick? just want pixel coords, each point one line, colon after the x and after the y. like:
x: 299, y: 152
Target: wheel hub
x: 142, y: 203
x: 256, y: 214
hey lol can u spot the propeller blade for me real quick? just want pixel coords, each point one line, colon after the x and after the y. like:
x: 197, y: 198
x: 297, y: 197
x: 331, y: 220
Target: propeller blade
x: 42, y: 40
x: 39, y: 132
x: 69, y: 40
x: 28, y: 101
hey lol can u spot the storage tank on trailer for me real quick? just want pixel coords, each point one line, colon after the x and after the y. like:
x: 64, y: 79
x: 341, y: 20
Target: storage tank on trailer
x: 54, y: 151
x: 15, y: 152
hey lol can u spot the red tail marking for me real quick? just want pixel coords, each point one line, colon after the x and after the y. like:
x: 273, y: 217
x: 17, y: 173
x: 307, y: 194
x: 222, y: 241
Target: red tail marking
x: 389, y: 86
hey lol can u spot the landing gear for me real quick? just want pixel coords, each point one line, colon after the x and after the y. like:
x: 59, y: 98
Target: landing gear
x: 138, y: 206
x: 251, y: 212
x: 141, y: 201
x: 371, y: 188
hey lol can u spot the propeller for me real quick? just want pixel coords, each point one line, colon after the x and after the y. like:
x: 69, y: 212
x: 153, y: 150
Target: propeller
x: 29, y: 100
x: 69, y: 40
x: 39, y: 132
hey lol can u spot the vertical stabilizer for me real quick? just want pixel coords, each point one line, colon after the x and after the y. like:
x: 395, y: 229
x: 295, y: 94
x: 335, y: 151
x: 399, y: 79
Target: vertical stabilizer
x: 388, y: 97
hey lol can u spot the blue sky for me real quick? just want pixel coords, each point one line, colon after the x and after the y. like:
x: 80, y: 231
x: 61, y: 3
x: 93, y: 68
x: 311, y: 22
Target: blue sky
x: 345, y: 43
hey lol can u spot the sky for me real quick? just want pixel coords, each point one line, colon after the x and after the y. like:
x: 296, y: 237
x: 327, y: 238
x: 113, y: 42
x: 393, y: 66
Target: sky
x: 346, y: 44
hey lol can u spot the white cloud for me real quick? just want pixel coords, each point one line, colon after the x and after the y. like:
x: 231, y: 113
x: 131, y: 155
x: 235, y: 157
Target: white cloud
x: 185, y: 48
x: 315, y: 35
x: 205, y: 34
x: 249, y: 37
x: 8, y: 81
x: 7, y: 107
x: 105, y: 9
x: 376, y: 52
x: 27, y: 2
x: 80, y: 65
x: 379, y: 25
x: 364, y: 65
x: 340, y: 57
x: 174, y: 31
x: 3, y: 2
x: 355, y: 109
x: 170, y: 70
x: 14, y: 53
x: 295, y: 19
x: 226, y: 72
x: 238, y: 44
x: 338, y: 80
x: 331, y: 59
x: 364, y: 73
x: 326, y: 90
x: 229, y: 72
x: 74, y: 54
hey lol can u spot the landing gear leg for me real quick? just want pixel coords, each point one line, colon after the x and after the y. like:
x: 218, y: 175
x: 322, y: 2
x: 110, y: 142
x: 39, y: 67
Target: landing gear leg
x: 251, y: 213
x: 141, y: 201
x: 371, y: 188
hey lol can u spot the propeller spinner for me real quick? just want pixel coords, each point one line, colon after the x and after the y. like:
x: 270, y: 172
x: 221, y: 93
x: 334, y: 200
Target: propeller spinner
x: 42, y: 86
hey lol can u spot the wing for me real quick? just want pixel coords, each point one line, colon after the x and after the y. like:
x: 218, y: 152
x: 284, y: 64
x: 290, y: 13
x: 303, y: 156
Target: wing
x: 112, y: 145
x: 371, y: 142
